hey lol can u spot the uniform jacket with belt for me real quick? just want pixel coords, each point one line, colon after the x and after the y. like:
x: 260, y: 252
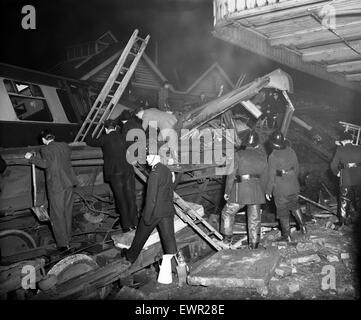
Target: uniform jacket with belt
x: 114, y: 153
x: 56, y: 160
x: 287, y: 184
x: 347, y: 154
x: 159, y: 197
x: 249, y: 161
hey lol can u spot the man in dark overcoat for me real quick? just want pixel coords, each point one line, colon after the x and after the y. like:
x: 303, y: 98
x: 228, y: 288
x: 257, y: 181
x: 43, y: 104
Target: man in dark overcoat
x: 283, y: 170
x: 60, y: 180
x: 118, y: 172
x: 158, y: 212
x: 246, y: 186
x: 346, y: 164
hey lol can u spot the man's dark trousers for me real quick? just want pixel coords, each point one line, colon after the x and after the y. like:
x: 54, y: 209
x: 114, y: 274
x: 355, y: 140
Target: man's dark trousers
x: 123, y: 187
x: 61, y: 210
x: 166, y: 233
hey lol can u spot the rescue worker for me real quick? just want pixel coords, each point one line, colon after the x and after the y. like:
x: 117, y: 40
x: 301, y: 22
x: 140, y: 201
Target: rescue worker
x: 158, y: 212
x: 60, y: 180
x: 163, y: 95
x: 129, y: 122
x: 166, y: 122
x: 118, y: 172
x: 346, y: 164
x: 283, y: 170
x: 246, y: 186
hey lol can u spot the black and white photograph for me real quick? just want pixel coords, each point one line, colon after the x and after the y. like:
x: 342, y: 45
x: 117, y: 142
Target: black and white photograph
x: 177, y: 156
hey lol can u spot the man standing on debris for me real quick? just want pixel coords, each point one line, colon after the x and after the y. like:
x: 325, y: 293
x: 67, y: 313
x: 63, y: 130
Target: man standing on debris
x: 118, y: 172
x: 346, y: 164
x: 163, y: 94
x: 129, y: 122
x: 166, y: 122
x: 246, y: 186
x: 283, y: 170
x: 158, y: 212
x: 60, y: 180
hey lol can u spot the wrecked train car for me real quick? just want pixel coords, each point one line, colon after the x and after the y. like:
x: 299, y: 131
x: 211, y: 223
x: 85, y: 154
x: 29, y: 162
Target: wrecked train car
x: 24, y: 236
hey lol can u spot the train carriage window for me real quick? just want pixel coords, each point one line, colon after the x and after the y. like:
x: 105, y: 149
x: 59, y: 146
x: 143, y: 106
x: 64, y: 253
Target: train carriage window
x: 67, y: 105
x: 28, y: 101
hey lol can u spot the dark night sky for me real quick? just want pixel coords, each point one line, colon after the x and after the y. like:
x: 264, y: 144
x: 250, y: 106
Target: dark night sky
x: 181, y: 28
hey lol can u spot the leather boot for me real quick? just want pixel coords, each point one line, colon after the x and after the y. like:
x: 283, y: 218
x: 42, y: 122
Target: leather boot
x: 299, y: 219
x: 344, y: 206
x: 254, y: 225
x: 285, y: 230
x: 227, y: 220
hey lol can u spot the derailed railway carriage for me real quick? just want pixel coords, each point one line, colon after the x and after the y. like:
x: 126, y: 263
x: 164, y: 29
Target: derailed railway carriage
x: 30, y: 100
x: 28, y: 105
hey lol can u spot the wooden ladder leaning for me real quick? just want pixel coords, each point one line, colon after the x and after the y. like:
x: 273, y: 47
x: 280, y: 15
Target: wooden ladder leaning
x: 188, y: 215
x: 113, y: 87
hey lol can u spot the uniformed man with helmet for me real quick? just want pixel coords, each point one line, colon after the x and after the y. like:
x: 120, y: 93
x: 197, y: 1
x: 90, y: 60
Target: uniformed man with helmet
x: 283, y: 170
x: 246, y: 186
x: 346, y: 164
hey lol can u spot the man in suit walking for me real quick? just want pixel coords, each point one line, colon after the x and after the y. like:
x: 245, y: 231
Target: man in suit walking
x: 346, y: 164
x: 283, y: 170
x: 118, y: 172
x: 158, y: 212
x: 60, y: 180
x: 246, y: 186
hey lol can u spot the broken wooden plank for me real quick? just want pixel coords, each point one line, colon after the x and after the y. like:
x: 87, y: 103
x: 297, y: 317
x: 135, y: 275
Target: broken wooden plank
x: 316, y: 204
x: 28, y: 254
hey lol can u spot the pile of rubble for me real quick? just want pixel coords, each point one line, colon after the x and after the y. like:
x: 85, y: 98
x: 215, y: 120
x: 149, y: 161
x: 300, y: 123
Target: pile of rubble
x: 316, y: 266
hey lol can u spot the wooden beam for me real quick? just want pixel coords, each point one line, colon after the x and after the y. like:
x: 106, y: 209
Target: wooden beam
x: 279, y: 11
x: 349, y: 66
x: 288, y: 27
x: 332, y: 52
x: 252, y: 41
x: 354, y: 77
x: 297, y: 26
x: 101, y: 66
x: 317, y: 36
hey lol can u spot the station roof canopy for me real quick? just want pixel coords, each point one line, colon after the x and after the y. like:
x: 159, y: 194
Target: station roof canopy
x: 319, y: 37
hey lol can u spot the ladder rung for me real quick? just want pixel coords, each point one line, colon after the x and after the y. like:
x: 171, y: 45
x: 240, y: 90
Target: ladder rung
x: 90, y: 121
x: 135, y: 48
